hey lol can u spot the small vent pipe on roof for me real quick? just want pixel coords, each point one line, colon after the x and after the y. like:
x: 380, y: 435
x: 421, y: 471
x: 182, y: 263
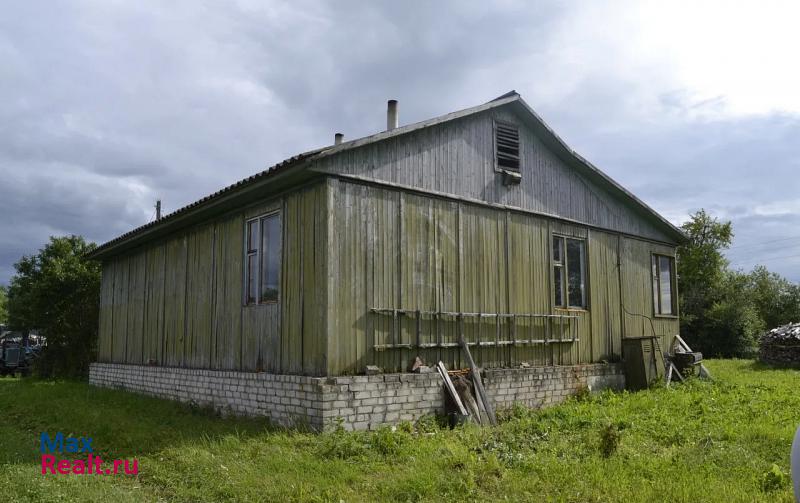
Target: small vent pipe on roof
x: 391, y: 115
x: 337, y: 138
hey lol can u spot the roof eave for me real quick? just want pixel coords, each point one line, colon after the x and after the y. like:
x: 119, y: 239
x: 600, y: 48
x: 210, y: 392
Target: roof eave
x: 237, y: 197
x: 560, y: 145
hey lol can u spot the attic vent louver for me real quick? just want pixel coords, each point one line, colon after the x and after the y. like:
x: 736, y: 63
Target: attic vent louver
x: 507, y: 145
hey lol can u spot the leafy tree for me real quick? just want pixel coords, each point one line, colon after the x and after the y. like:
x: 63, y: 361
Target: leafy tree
x: 701, y: 273
x: 732, y: 324
x: 723, y: 311
x: 776, y: 298
x: 57, y: 292
x: 3, y: 305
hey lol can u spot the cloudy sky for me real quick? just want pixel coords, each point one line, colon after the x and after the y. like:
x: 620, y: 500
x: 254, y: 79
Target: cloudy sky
x: 106, y: 106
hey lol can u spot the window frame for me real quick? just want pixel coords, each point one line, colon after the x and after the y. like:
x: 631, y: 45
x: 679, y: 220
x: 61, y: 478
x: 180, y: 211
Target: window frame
x: 497, y: 167
x: 259, y: 254
x: 563, y: 264
x: 655, y: 284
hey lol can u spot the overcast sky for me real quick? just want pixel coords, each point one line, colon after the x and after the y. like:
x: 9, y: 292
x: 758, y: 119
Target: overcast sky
x: 106, y: 106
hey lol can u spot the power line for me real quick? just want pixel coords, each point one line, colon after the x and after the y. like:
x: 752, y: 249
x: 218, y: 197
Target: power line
x: 765, y: 259
x: 762, y: 243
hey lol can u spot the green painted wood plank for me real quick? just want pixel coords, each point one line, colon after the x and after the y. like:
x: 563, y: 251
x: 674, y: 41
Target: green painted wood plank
x: 106, y: 329
x: 154, y: 305
x: 175, y: 301
x: 120, y: 328
x: 136, y: 296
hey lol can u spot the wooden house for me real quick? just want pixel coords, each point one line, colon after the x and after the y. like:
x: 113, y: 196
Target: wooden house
x: 382, y: 249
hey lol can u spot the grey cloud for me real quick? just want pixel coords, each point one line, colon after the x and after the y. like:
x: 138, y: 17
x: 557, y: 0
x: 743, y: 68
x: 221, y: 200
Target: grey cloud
x: 105, y: 107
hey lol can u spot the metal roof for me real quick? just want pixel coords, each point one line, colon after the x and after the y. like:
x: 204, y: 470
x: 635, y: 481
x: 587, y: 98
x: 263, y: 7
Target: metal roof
x: 299, y: 161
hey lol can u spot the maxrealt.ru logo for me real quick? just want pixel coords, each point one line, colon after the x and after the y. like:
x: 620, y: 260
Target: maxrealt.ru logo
x: 91, y: 465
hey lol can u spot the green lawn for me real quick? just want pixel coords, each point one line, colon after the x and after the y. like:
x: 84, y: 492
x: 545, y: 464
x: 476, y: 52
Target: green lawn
x: 725, y: 441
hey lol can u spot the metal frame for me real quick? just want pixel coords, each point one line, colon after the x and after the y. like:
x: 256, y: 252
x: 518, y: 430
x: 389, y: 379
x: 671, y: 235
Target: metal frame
x: 459, y: 316
x: 259, y: 254
x: 563, y: 264
x: 656, y: 285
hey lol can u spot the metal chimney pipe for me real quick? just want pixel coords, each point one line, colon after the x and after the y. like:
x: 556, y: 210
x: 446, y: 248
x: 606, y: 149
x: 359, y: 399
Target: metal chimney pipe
x: 337, y: 138
x: 391, y: 115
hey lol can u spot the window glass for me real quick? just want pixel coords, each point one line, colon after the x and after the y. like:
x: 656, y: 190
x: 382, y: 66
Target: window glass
x: 665, y: 281
x: 252, y: 236
x: 656, y: 306
x: 252, y: 277
x: 262, y: 259
x: 271, y: 257
x: 558, y: 272
x: 576, y: 273
x: 558, y: 244
x: 569, y: 272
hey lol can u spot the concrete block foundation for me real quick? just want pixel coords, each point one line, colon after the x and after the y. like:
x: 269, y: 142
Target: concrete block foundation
x: 359, y: 402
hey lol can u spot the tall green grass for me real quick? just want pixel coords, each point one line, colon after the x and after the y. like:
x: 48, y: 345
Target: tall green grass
x: 726, y: 440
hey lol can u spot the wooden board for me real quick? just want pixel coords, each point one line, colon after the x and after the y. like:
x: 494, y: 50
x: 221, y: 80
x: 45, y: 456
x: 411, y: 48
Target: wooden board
x: 227, y: 333
x: 175, y: 301
x: 120, y: 311
x: 136, y: 308
x: 154, y: 305
x: 106, y: 329
x: 199, y: 297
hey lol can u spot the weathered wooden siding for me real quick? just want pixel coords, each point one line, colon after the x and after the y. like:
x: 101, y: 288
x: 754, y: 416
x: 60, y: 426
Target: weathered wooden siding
x: 179, y: 302
x: 136, y: 294
x: 199, y: 297
x: 399, y: 250
x: 174, y: 301
x: 457, y: 158
x: 120, y: 311
x: 106, y: 315
x: 604, y: 295
x: 637, y: 291
x: 304, y: 301
x: 228, y: 276
x: 154, y: 305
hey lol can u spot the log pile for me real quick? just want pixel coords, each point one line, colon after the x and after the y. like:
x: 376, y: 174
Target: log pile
x: 781, y: 346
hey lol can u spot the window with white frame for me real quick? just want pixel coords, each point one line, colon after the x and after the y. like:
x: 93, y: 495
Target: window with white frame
x: 263, y: 259
x: 569, y: 272
x: 663, y: 267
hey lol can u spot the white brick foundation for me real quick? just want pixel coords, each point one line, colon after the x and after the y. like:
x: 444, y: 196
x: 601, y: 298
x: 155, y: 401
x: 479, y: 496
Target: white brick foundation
x: 362, y: 402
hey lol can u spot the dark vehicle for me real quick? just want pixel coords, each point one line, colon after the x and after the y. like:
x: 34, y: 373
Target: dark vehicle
x: 17, y: 353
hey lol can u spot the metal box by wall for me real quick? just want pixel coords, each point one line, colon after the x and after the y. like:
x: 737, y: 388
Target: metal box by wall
x: 644, y: 361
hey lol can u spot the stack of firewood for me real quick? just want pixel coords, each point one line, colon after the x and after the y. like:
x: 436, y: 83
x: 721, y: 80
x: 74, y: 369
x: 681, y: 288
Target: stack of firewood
x: 781, y: 346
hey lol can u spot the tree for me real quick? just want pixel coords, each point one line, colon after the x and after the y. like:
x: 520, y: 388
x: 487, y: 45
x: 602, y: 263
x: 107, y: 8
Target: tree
x: 57, y: 292
x: 3, y: 305
x: 701, y: 273
x: 732, y: 323
x: 776, y: 298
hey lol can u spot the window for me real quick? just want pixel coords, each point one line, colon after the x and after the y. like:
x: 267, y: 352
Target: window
x: 569, y: 272
x: 263, y: 259
x: 663, y: 280
x: 506, y: 141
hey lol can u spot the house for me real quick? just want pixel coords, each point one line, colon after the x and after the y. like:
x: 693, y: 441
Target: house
x: 273, y: 295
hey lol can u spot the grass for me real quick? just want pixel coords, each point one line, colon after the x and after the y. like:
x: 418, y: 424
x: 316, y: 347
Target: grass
x: 726, y: 440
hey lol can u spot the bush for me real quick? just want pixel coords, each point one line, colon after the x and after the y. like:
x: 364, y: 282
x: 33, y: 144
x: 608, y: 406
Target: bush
x: 609, y: 440
x: 57, y: 292
x: 774, y: 479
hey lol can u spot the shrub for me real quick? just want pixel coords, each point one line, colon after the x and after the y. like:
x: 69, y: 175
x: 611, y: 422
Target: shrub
x: 774, y: 479
x: 609, y: 440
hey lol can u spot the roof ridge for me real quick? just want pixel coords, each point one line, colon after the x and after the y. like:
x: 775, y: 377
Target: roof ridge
x: 296, y: 160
